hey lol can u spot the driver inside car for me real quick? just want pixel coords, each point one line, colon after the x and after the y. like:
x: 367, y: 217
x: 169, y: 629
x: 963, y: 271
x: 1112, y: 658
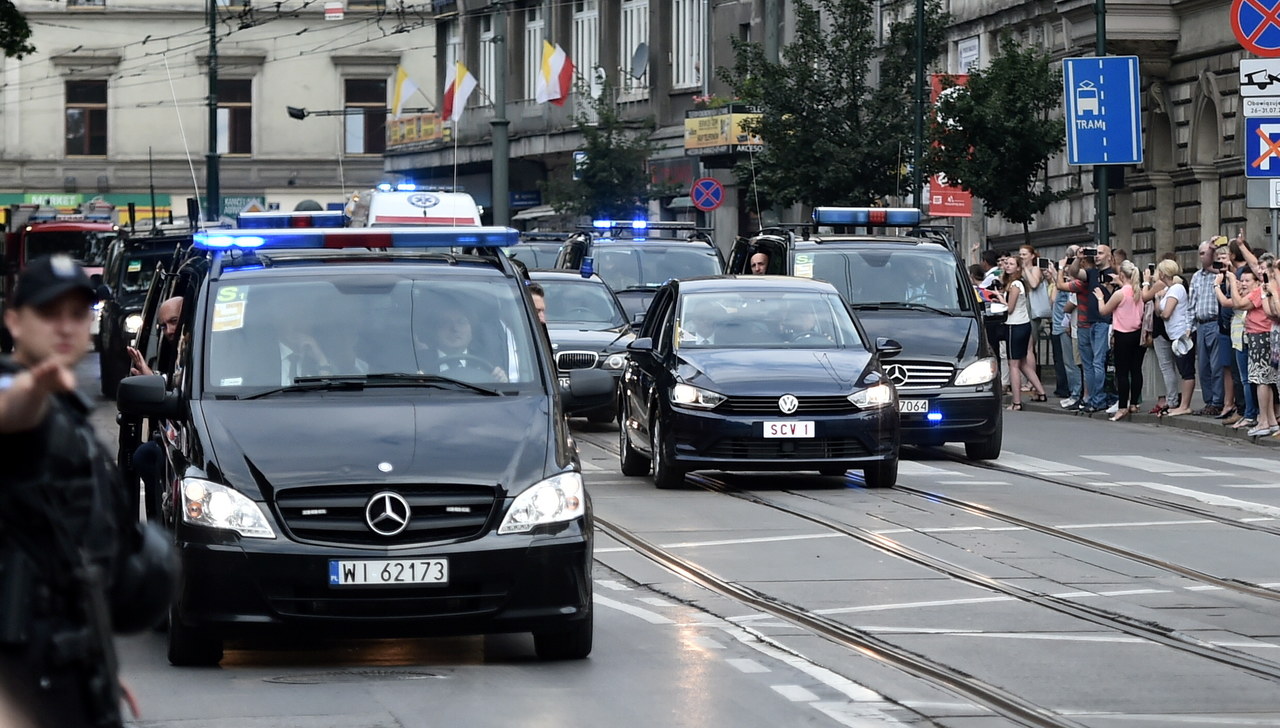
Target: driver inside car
x: 801, y: 325
x: 449, y: 348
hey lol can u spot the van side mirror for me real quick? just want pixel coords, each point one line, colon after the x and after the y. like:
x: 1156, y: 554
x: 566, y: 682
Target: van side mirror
x: 887, y: 348
x: 642, y: 345
x: 145, y: 395
x: 638, y: 319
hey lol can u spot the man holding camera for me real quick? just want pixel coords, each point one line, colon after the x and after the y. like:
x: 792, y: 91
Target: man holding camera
x: 1203, y: 300
x: 1093, y: 329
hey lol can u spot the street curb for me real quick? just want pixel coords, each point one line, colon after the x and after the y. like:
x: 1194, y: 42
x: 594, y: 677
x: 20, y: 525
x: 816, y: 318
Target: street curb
x: 1205, y: 425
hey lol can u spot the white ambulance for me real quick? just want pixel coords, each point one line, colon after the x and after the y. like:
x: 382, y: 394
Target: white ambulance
x: 407, y: 204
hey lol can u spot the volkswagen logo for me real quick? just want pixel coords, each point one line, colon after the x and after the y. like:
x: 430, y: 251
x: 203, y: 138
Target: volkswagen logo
x: 897, y: 374
x: 788, y: 404
x: 387, y: 513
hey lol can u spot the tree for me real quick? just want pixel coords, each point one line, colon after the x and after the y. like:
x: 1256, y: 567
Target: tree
x: 15, y: 33
x: 830, y: 135
x: 995, y: 135
x: 613, y: 181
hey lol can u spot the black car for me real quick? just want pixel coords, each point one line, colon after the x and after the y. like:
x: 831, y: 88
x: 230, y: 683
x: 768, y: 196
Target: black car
x: 538, y: 250
x: 756, y: 373
x: 362, y: 438
x: 914, y: 288
x: 130, y: 265
x: 588, y: 330
x: 635, y: 257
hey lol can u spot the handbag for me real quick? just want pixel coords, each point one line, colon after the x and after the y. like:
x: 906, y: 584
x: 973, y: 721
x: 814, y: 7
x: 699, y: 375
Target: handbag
x: 1041, y: 306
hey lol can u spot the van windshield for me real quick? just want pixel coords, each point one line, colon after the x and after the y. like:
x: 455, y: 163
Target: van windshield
x: 270, y: 332
x: 646, y: 265
x: 877, y: 276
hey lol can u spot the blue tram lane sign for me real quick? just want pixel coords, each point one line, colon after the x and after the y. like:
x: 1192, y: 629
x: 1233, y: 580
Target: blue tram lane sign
x: 1104, y: 114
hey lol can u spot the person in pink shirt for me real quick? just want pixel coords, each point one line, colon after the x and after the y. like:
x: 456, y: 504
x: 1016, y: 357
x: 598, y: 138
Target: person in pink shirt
x: 1124, y: 306
x: 1258, y: 303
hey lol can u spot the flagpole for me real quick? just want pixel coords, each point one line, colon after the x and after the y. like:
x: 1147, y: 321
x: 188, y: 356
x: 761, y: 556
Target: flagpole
x: 455, y: 156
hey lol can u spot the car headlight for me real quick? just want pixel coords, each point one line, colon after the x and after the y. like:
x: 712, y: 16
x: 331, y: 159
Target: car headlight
x: 979, y: 372
x: 209, y: 504
x: 877, y: 395
x: 687, y: 395
x: 132, y: 323
x: 615, y: 361
x: 554, y: 500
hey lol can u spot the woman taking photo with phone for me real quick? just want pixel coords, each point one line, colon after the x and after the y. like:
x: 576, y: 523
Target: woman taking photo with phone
x: 1259, y: 304
x: 1018, y: 323
x: 1172, y: 341
x: 1124, y: 306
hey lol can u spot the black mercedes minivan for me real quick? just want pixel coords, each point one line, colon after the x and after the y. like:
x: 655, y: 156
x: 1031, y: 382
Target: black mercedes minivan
x: 362, y: 437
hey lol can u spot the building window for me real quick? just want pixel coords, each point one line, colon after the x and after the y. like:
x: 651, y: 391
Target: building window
x: 366, y: 115
x: 534, y: 28
x: 235, y: 116
x: 87, y: 118
x: 686, y: 43
x: 452, y: 44
x: 488, y: 61
x: 634, y: 34
x: 586, y: 37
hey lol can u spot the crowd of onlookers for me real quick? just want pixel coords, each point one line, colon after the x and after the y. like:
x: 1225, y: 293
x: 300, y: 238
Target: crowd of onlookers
x: 1218, y: 326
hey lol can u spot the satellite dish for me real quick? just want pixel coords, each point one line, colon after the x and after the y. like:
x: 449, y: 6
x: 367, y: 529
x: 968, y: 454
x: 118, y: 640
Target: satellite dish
x: 640, y: 60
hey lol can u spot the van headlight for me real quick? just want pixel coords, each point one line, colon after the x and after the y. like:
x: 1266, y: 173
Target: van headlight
x: 205, y: 503
x: 132, y: 323
x: 874, y: 396
x: 554, y: 500
x: 979, y: 372
x: 687, y: 395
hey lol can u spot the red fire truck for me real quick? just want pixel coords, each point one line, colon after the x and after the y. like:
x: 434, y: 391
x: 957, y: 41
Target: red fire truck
x: 32, y: 231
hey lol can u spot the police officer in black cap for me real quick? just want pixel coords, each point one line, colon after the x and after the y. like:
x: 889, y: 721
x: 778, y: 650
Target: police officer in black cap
x: 75, y: 563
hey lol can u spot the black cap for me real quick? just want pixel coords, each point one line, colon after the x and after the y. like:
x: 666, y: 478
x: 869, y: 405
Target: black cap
x: 50, y: 277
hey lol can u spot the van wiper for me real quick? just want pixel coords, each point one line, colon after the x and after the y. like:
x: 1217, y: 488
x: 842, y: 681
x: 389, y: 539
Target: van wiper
x: 903, y: 305
x: 428, y: 380
x: 312, y: 384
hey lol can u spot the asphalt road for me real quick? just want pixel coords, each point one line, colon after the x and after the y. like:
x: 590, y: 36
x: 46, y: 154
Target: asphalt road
x: 1099, y: 575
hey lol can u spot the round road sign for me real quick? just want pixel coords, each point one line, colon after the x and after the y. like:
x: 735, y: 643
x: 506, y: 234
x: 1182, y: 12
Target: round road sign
x: 1256, y: 24
x: 708, y: 194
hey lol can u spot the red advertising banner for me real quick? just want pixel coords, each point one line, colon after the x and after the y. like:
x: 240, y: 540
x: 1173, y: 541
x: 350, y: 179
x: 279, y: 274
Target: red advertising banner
x: 947, y: 200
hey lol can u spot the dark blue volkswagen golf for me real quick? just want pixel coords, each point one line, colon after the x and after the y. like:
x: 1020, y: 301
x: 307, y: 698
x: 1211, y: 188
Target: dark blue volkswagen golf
x: 756, y: 373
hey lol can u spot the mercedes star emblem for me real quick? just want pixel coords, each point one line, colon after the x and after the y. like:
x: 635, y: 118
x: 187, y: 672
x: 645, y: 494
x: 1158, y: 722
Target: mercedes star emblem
x: 788, y: 404
x: 897, y: 374
x: 387, y: 513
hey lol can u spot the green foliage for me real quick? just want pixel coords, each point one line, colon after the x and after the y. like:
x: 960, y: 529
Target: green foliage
x: 15, y: 34
x: 614, y: 181
x: 996, y: 135
x: 831, y: 136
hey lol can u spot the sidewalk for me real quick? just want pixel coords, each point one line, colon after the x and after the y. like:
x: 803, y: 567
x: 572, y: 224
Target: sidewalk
x: 1206, y: 425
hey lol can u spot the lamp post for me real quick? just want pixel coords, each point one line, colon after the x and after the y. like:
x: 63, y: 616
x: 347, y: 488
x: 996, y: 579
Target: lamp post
x: 917, y: 173
x: 213, y: 189
x: 1100, y: 171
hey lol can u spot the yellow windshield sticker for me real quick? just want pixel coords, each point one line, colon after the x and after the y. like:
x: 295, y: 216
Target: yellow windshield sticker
x: 228, y: 316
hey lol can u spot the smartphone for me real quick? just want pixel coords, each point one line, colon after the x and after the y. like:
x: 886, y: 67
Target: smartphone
x: 1071, y: 259
x: 1151, y: 267
x: 1219, y: 265
x: 1088, y: 252
x: 1042, y: 262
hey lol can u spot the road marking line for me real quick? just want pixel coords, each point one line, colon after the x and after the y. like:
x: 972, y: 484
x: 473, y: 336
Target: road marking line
x: 645, y: 614
x: 912, y: 605
x: 970, y: 482
x: 743, y: 664
x: 794, y: 693
x: 1152, y: 465
x: 1051, y: 636
x: 703, y: 642
x: 658, y: 602
x: 1210, y: 498
x: 736, y: 541
x: 911, y: 467
x: 1267, y: 464
x: 611, y: 584
x: 1134, y: 524
x: 1028, y: 464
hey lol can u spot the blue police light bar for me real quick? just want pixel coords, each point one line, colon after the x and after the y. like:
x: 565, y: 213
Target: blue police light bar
x: 313, y: 238
x: 934, y: 416
x: 902, y: 216
x: 607, y: 224
x: 276, y: 220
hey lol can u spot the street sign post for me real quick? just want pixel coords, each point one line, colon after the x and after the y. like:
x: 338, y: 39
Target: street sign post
x: 1104, y: 124
x: 707, y: 193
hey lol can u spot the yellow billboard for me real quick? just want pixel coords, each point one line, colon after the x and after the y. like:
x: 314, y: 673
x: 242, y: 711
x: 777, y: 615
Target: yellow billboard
x: 720, y: 131
x: 417, y: 130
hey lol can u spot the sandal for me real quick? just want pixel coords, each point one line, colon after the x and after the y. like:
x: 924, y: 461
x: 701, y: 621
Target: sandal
x: 1015, y: 407
x: 1039, y: 397
x: 1122, y: 414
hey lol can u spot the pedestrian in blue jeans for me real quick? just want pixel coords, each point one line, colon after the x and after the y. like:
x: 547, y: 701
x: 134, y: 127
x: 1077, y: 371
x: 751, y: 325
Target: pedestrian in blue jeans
x: 1093, y: 331
x: 1203, y: 302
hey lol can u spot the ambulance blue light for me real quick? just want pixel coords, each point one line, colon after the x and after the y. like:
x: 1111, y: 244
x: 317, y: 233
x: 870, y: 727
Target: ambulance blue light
x: 934, y: 416
x: 314, y: 238
x: 406, y: 187
x: 384, y: 187
x: 904, y: 216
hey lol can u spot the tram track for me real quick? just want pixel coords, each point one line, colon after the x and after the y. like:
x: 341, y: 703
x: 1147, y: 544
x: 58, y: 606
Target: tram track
x: 1005, y: 703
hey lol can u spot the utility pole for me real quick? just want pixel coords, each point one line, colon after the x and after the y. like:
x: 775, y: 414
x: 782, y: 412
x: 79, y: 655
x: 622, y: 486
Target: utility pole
x: 917, y: 157
x: 772, y: 25
x: 212, y: 188
x: 1100, y: 171
x: 501, y: 149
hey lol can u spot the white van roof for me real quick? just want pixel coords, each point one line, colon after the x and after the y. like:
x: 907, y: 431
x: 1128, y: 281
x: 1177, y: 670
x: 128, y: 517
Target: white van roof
x: 380, y: 208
